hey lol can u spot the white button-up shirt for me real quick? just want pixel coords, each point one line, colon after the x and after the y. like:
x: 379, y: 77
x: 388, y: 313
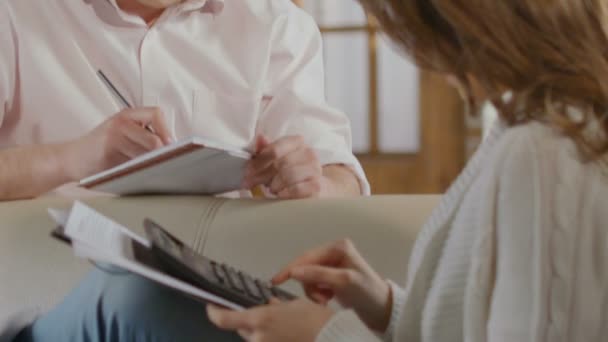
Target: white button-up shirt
x: 225, y: 71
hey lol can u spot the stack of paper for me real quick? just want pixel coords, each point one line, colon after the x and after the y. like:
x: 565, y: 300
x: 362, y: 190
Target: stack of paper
x: 99, y: 239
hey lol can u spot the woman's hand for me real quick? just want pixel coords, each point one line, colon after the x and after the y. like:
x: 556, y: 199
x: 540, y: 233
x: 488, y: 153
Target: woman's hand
x: 338, y: 270
x: 295, y: 321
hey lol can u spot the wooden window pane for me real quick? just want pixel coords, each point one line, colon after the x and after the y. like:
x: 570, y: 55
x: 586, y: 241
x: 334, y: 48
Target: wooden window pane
x: 335, y: 12
x: 347, y: 82
x: 398, y: 100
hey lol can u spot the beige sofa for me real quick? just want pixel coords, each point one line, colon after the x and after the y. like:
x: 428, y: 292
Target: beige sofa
x: 259, y: 236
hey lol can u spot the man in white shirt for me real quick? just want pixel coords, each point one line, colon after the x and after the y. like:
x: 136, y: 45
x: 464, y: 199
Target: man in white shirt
x: 247, y: 73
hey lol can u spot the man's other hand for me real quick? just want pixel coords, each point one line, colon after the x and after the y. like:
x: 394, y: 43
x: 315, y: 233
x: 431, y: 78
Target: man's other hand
x: 288, y: 167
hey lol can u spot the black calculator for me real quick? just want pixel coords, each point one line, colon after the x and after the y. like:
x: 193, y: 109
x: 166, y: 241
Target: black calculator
x: 184, y: 263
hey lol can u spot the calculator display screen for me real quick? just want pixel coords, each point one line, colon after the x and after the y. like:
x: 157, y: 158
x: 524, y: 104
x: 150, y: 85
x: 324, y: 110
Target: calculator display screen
x: 166, y: 243
x: 218, y: 278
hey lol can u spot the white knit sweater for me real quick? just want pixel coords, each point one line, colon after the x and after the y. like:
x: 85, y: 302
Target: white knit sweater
x: 516, y: 251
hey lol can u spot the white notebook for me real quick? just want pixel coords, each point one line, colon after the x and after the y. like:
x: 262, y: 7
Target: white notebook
x: 190, y: 166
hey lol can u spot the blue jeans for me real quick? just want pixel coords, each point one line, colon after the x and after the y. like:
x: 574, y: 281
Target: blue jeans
x: 115, y: 305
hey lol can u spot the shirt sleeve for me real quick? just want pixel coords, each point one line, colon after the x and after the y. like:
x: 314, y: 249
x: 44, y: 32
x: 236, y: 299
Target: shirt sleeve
x: 295, y: 94
x: 7, y: 61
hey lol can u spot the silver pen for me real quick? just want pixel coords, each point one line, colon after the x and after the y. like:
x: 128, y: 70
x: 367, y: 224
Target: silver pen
x: 118, y: 95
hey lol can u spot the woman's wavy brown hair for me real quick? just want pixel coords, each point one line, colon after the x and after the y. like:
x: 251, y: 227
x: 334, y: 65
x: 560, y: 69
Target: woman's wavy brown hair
x: 551, y: 55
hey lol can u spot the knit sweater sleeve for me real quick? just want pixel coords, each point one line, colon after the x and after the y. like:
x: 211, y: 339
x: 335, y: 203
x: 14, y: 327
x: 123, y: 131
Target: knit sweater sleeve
x: 396, y: 313
x: 346, y: 325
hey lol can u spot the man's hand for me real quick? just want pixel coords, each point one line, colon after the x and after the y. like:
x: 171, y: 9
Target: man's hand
x: 339, y: 271
x: 122, y: 137
x: 287, y: 167
x: 290, y: 169
x: 28, y: 171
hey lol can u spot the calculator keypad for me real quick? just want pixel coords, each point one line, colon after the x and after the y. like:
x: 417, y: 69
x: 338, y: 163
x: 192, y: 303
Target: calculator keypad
x: 219, y: 273
x: 182, y: 262
x: 234, y: 280
x: 244, y: 284
x: 251, y: 287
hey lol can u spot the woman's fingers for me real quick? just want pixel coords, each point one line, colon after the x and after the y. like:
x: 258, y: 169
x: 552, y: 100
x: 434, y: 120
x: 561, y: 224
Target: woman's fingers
x: 319, y: 296
x: 245, y: 334
x: 314, y: 257
x: 318, y: 293
x: 331, y: 278
x: 334, y: 254
x: 232, y: 320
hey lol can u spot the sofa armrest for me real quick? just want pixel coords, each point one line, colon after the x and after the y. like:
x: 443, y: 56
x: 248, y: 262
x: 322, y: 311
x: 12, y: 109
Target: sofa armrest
x: 261, y: 237
x: 255, y: 235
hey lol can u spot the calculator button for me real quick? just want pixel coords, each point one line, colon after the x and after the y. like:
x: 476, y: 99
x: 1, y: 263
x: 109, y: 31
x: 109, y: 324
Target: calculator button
x: 233, y: 279
x: 250, y: 286
x: 200, y: 265
x: 280, y: 294
x: 265, y: 289
x: 218, y: 272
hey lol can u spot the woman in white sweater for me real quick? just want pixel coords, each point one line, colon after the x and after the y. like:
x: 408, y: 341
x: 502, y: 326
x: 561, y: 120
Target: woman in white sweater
x: 518, y: 248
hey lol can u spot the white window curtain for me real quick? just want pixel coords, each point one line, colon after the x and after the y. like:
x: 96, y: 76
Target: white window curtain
x: 347, y: 67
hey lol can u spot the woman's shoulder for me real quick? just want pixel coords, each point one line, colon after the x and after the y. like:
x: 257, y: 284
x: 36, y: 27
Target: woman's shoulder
x: 550, y: 195
x: 542, y: 249
x: 535, y: 137
x: 541, y: 158
x: 543, y: 186
x: 541, y: 148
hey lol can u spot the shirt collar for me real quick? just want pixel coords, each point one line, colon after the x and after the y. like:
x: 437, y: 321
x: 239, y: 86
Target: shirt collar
x: 206, y: 6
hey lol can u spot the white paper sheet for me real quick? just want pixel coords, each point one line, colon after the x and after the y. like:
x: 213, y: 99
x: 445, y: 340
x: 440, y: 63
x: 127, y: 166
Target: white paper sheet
x: 87, y: 225
x: 101, y: 240
x: 210, y: 169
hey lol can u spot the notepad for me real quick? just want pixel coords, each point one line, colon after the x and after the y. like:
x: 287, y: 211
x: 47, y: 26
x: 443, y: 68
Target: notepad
x: 190, y: 166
